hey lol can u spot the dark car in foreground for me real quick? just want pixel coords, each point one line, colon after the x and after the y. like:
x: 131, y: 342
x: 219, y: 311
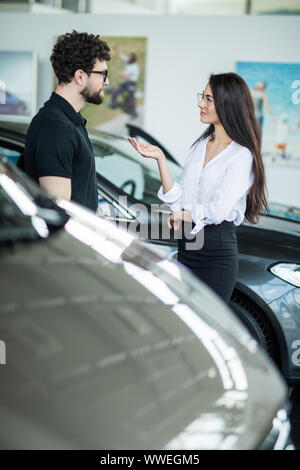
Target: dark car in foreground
x: 111, y: 346
x: 266, y: 297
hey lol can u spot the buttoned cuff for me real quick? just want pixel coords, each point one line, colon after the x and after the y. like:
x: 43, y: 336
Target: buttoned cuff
x: 172, y: 195
x: 198, y: 217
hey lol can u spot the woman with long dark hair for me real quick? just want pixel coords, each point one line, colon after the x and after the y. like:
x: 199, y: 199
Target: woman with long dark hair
x: 223, y: 182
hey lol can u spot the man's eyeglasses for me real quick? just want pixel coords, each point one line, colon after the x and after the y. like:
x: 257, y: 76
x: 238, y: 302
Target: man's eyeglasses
x: 200, y: 97
x: 104, y: 73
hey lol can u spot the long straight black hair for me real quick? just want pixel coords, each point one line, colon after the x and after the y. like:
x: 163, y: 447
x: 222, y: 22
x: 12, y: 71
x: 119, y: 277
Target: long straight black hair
x: 235, y: 109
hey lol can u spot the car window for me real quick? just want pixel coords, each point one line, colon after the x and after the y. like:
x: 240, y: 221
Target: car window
x: 135, y: 175
x: 12, y: 155
x: 110, y: 208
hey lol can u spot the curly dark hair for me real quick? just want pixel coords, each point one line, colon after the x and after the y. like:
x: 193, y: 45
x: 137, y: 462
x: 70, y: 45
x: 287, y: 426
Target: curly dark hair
x: 74, y: 51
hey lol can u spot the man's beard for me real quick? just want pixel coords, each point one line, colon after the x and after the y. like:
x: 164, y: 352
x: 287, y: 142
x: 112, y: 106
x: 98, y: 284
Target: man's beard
x: 94, y: 98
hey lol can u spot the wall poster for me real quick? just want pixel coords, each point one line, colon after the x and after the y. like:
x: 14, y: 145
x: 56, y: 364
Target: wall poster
x: 275, y: 88
x: 18, y: 85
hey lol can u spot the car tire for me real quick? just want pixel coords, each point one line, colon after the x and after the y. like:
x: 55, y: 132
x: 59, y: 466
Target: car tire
x: 256, y: 323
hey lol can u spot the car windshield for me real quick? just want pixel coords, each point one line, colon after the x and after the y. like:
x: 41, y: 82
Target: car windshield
x: 126, y: 169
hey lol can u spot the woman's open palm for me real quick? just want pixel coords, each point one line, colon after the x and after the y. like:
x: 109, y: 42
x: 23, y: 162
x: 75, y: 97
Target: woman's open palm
x: 146, y: 150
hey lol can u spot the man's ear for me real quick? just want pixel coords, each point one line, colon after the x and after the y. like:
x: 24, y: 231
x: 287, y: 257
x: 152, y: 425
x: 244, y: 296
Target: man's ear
x: 80, y: 77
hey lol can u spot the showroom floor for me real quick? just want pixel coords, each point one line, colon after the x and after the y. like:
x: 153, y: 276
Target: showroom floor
x: 295, y: 418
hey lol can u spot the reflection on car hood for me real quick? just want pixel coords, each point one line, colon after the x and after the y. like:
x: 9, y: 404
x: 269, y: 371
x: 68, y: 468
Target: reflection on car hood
x: 275, y: 223
x: 272, y: 238
x: 109, y: 345
x: 227, y: 356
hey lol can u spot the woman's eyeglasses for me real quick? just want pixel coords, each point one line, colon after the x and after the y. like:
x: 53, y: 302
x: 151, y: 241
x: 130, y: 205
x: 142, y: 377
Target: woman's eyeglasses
x: 104, y: 73
x: 207, y: 100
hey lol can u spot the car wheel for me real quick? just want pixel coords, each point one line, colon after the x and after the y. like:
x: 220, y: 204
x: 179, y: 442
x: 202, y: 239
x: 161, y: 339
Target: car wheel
x: 256, y: 323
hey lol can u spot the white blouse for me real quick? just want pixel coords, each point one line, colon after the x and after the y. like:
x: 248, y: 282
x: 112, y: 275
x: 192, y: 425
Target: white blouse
x: 216, y: 192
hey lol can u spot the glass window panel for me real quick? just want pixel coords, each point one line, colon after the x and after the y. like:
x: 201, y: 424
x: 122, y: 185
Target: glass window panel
x: 136, y: 176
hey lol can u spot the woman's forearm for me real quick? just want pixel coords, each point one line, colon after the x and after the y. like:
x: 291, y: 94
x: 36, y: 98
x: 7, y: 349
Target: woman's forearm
x: 165, y: 175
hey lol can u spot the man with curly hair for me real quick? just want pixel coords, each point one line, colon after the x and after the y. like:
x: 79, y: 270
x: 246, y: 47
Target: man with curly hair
x: 58, y: 153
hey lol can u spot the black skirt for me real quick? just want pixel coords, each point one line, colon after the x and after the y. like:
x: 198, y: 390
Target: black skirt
x: 216, y: 263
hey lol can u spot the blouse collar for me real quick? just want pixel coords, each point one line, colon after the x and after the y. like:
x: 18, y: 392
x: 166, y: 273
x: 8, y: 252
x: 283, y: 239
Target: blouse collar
x: 214, y: 160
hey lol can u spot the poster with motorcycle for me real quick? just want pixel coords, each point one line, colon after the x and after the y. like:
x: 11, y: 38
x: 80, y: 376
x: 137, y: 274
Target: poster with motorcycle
x: 275, y: 89
x: 18, y: 85
x: 124, y: 95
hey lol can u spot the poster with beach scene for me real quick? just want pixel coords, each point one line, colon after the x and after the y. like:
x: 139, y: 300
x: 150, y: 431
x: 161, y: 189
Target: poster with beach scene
x: 124, y: 96
x: 275, y: 88
x: 18, y: 85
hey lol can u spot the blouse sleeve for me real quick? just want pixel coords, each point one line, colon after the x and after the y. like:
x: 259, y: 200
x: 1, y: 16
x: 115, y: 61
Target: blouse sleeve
x: 237, y: 181
x: 173, y: 197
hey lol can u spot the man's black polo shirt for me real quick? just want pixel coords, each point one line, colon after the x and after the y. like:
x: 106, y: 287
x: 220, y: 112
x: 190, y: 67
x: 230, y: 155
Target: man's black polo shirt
x: 57, y: 144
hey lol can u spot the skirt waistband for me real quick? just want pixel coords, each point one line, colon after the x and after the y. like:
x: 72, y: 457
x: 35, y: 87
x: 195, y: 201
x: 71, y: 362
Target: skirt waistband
x: 225, y: 224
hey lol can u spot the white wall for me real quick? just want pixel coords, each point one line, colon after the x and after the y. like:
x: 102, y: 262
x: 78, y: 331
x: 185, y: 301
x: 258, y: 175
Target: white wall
x: 116, y: 7
x: 182, y: 51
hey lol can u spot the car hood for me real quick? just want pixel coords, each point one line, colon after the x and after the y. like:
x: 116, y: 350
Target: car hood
x: 272, y: 238
x: 109, y: 345
x: 281, y: 224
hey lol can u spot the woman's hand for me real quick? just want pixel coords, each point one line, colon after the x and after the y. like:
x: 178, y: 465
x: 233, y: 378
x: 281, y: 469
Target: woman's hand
x: 146, y: 150
x: 175, y: 219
